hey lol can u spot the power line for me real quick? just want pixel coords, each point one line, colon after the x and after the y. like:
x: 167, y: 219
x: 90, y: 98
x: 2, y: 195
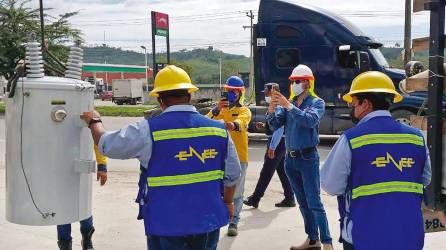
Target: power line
x: 147, y: 22
x: 188, y: 18
x: 214, y: 16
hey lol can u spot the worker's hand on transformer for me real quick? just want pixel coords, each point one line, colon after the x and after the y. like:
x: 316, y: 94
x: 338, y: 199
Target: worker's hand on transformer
x: 279, y: 99
x: 222, y: 104
x: 229, y: 126
x: 87, y: 116
x: 230, y: 207
x: 270, y: 153
x: 102, y: 177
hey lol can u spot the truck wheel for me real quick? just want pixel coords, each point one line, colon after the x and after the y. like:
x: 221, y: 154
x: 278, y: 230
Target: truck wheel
x: 402, y: 115
x: 119, y: 103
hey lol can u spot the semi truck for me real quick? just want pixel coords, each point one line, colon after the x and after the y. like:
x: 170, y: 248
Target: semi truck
x: 287, y: 35
x: 127, y: 91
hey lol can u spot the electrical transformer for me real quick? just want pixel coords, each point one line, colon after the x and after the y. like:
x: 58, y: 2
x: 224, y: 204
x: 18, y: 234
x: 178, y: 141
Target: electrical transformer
x: 49, y: 150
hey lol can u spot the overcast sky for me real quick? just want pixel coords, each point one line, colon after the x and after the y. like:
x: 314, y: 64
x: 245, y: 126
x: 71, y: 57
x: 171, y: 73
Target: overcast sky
x: 198, y: 23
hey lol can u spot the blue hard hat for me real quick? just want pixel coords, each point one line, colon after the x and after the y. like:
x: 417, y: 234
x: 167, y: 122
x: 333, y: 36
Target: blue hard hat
x: 234, y: 82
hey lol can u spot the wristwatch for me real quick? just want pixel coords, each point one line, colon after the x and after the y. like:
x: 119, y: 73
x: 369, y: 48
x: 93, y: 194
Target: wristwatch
x: 94, y: 120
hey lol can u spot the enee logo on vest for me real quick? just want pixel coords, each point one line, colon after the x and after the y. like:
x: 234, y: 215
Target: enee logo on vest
x: 405, y: 162
x: 207, y: 154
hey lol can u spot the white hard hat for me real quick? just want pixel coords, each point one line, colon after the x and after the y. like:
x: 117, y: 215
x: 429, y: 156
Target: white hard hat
x: 301, y: 72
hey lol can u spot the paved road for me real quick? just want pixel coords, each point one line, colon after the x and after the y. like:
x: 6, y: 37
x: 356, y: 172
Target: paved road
x: 265, y: 228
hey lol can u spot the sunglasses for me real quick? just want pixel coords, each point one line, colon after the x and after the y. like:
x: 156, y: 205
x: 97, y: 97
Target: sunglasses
x: 297, y: 81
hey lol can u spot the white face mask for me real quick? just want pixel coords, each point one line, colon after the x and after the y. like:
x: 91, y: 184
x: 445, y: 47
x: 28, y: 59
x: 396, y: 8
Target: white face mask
x: 268, y: 99
x: 297, y: 89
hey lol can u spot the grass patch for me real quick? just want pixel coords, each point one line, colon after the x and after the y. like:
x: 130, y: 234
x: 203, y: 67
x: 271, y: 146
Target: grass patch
x: 125, y: 111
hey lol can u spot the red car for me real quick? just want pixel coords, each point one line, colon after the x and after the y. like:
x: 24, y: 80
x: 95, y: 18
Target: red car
x: 106, y: 95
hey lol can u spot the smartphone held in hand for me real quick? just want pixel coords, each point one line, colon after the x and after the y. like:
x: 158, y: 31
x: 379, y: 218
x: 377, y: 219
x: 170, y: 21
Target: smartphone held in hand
x: 275, y: 88
x: 224, y: 95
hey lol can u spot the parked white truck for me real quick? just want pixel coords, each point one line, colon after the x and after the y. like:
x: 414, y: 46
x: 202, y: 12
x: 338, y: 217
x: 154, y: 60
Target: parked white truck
x: 127, y: 91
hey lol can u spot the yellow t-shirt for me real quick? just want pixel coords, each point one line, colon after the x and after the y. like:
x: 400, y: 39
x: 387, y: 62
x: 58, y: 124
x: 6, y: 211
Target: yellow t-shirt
x: 241, y: 116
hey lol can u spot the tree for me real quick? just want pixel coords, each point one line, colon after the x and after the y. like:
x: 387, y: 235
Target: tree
x: 228, y: 69
x: 18, y: 22
x: 184, y: 66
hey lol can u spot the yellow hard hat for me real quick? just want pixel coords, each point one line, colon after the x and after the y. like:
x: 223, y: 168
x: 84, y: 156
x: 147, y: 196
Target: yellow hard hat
x: 172, y: 78
x: 372, y: 82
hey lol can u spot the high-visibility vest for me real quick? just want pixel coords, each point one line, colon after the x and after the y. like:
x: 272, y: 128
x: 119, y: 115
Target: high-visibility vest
x: 183, y: 184
x: 385, y: 185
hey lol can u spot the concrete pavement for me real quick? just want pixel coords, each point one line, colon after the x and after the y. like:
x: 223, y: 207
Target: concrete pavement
x: 114, y: 211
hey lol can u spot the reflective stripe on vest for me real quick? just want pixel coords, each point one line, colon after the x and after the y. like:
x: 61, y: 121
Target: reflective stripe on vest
x: 386, y: 139
x: 182, y: 133
x: 387, y: 187
x: 163, y: 181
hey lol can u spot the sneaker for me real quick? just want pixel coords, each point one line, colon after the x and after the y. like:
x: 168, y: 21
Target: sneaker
x: 308, y: 245
x: 232, y: 230
x: 327, y: 247
x: 86, y: 243
x: 64, y: 244
x: 252, y: 202
x: 286, y: 203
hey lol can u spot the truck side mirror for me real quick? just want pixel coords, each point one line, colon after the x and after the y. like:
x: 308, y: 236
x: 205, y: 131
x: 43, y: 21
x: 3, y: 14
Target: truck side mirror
x: 364, y: 61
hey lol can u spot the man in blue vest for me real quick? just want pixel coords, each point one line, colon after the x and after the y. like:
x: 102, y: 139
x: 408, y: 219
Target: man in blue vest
x: 380, y: 168
x: 189, y: 167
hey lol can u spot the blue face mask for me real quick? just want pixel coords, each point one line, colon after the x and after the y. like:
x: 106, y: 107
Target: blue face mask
x: 232, y: 96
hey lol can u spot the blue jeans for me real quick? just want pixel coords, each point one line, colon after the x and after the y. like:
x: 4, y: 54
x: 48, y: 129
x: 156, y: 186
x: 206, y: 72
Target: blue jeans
x: 238, y: 195
x: 269, y: 166
x: 303, y: 173
x: 64, y: 231
x: 206, y: 241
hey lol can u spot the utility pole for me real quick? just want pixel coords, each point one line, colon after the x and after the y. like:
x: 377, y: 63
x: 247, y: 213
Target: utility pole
x: 436, y: 197
x: 104, y: 45
x: 42, y: 25
x: 251, y: 47
x: 105, y: 60
x: 220, y: 71
x: 408, y: 32
x: 155, y: 71
x: 145, y: 57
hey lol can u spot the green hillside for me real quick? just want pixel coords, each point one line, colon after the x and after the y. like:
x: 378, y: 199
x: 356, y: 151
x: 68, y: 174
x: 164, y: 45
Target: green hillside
x: 202, y: 64
x: 393, y: 56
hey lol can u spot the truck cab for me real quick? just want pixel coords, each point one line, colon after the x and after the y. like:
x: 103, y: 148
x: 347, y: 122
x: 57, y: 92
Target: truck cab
x: 287, y: 35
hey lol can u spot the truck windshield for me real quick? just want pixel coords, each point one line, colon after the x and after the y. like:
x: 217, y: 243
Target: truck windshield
x: 379, y: 58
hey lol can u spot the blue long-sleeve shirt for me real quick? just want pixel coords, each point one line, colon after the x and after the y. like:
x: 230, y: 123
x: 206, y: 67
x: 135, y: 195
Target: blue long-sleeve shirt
x: 337, y: 167
x: 301, y: 123
x: 134, y: 141
x: 276, y: 137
